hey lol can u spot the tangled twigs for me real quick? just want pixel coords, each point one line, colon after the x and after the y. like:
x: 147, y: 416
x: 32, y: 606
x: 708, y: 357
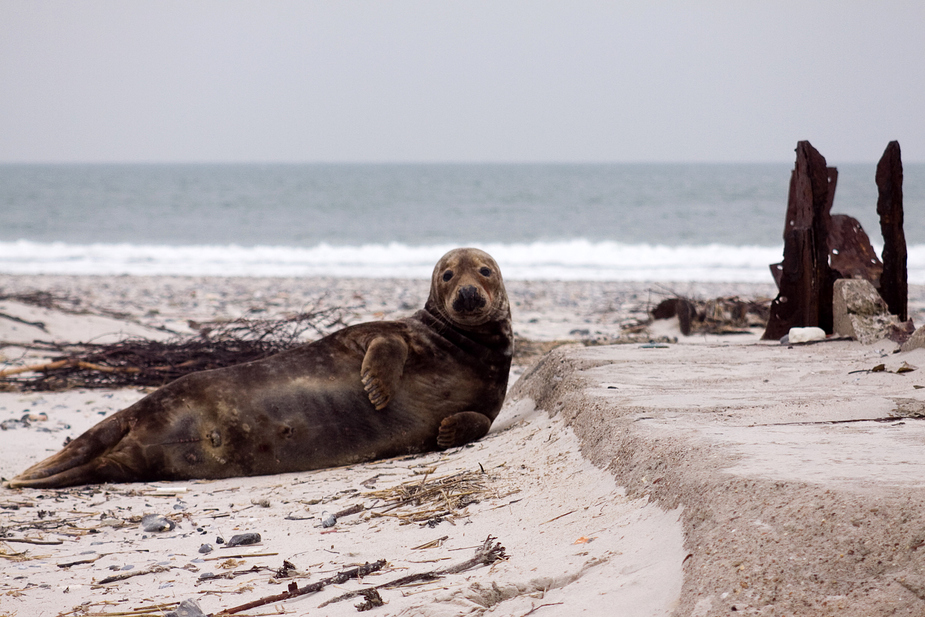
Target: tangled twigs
x: 38, y: 324
x: 142, y: 362
x: 485, y: 555
x: 295, y: 591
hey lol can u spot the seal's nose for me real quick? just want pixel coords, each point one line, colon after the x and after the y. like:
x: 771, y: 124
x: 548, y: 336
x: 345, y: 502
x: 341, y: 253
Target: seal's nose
x: 468, y: 299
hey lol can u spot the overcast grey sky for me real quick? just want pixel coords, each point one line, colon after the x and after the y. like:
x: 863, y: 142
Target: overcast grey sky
x: 447, y: 80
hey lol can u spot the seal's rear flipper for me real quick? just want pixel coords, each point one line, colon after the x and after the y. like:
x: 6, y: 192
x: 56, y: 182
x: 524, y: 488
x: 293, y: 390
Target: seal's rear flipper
x: 82, y: 461
x: 91, y: 473
x: 462, y: 428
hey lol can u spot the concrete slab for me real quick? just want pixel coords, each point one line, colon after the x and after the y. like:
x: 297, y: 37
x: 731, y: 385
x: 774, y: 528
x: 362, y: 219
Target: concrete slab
x: 800, y: 470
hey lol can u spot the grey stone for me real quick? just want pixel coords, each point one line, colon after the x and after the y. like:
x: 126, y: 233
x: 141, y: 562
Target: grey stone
x: 243, y: 539
x: 156, y: 522
x: 858, y: 311
x: 916, y: 340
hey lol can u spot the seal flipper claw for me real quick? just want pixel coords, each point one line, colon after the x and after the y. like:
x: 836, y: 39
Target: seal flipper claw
x: 378, y: 394
x: 382, y: 368
x: 462, y: 428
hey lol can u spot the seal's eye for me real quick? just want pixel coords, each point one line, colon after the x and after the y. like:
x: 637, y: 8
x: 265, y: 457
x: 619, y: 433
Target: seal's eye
x: 486, y: 272
x: 447, y: 275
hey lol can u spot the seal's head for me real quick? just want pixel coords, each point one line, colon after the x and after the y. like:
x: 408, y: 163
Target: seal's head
x: 467, y: 290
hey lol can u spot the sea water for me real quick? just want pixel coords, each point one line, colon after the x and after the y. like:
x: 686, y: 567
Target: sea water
x: 669, y: 222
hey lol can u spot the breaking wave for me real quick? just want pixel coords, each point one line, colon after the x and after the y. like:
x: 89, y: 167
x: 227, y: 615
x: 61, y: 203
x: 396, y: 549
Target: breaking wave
x: 560, y: 260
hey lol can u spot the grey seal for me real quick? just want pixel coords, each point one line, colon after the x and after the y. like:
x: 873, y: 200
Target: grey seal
x: 370, y: 391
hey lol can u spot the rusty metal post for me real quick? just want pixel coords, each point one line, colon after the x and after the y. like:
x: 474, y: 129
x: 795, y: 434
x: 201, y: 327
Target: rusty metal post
x: 893, y: 282
x: 805, y: 296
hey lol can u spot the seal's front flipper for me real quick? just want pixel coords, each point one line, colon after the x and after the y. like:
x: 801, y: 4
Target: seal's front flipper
x: 462, y: 428
x: 382, y: 367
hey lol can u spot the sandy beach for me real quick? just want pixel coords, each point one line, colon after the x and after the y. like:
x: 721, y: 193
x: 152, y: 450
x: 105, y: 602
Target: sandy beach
x: 700, y: 476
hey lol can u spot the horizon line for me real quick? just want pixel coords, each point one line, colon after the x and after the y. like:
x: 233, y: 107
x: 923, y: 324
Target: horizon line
x: 420, y: 163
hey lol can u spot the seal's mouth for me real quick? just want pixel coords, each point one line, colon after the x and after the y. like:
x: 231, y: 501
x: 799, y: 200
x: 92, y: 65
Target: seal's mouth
x: 469, y: 306
x: 468, y: 300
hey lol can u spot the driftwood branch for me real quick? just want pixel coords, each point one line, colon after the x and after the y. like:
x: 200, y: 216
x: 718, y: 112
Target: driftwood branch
x: 485, y: 555
x: 50, y: 366
x: 29, y: 541
x: 33, y: 368
x: 124, y: 575
x: 294, y: 591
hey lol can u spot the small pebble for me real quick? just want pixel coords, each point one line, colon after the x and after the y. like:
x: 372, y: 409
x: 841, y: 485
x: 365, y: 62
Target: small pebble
x: 328, y: 519
x: 219, y: 540
x: 205, y: 548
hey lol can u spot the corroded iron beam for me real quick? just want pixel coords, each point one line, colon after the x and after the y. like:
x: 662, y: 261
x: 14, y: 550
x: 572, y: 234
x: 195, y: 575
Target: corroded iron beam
x: 893, y: 281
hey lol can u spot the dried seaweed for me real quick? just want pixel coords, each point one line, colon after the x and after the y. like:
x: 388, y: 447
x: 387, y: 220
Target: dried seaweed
x: 148, y: 363
x: 728, y: 315
x: 432, y: 501
x: 48, y: 300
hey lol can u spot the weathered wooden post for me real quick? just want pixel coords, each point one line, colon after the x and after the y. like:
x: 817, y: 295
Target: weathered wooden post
x: 893, y: 282
x: 805, y: 294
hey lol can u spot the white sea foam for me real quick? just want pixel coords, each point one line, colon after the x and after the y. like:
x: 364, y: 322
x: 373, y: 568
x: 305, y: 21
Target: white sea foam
x: 566, y: 260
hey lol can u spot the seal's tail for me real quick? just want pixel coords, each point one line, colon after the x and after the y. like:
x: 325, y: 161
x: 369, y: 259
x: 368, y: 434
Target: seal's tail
x: 82, y: 461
